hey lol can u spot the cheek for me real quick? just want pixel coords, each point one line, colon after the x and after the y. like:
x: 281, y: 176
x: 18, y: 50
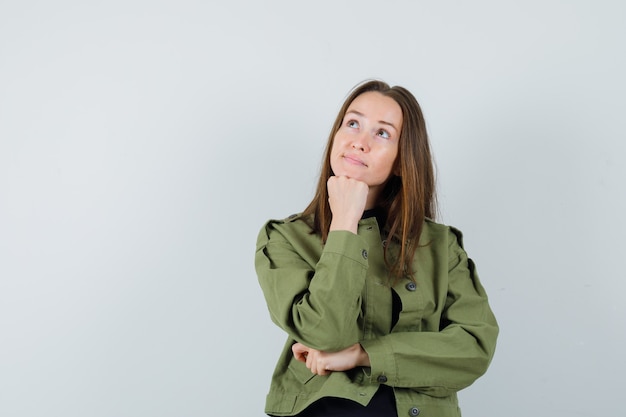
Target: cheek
x: 335, y: 144
x: 334, y: 152
x: 339, y: 139
x: 392, y: 160
x: 339, y: 144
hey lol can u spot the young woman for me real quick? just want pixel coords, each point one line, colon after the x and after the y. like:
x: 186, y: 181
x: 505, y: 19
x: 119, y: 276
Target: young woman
x: 384, y: 311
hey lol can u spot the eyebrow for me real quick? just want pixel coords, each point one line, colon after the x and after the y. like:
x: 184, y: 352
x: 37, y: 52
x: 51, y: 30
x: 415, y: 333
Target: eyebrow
x: 358, y: 113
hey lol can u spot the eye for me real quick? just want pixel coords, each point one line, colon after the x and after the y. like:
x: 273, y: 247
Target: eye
x: 353, y: 124
x: 383, y: 134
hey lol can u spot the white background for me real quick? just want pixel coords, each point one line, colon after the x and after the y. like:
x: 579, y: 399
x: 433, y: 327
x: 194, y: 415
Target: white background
x: 144, y: 143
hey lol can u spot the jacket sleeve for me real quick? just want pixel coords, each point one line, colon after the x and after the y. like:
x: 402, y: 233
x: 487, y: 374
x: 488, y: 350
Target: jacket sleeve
x: 317, y: 302
x: 439, y: 363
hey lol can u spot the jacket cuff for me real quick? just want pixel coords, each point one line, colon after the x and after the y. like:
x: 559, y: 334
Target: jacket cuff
x: 382, y: 362
x: 347, y: 244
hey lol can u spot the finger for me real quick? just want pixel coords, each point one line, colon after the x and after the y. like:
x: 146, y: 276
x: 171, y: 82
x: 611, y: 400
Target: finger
x: 321, y: 365
x: 315, y: 368
x: 322, y: 368
x: 299, y: 351
x: 309, y: 360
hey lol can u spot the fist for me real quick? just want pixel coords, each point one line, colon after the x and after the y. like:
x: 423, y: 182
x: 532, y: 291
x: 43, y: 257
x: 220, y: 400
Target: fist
x: 347, y: 198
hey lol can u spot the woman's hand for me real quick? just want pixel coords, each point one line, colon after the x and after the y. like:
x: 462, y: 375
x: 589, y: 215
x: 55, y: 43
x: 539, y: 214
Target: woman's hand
x: 347, y: 198
x: 323, y: 363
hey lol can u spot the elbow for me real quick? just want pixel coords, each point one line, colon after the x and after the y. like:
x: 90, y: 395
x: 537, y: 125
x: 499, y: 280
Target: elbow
x: 487, y: 343
x: 476, y: 364
x: 325, y: 334
x: 484, y: 353
x: 327, y: 338
x: 322, y: 329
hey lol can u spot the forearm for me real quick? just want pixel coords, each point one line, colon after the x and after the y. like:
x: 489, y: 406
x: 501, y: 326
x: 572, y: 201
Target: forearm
x: 436, y: 363
x: 318, y: 304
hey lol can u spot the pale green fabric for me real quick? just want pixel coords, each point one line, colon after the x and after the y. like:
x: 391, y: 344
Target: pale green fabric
x: 331, y: 296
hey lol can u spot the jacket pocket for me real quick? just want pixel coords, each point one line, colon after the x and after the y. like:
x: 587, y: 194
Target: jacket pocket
x: 301, y: 372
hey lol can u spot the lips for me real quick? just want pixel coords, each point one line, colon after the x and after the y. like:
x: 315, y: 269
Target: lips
x: 354, y: 160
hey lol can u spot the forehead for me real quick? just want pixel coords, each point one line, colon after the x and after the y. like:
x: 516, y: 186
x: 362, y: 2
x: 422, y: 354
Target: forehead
x: 376, y: 106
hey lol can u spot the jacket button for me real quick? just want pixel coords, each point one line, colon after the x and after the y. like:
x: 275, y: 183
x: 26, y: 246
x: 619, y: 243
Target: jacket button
x: 382, y: 379
x: 411, y: 286
x: 413, y: 412
x: 364, y: 254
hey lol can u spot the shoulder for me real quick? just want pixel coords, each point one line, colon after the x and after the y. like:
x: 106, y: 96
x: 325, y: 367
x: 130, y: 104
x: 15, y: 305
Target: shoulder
x: 295, y: 226
x: 293, y: 222
x: 434, y: 231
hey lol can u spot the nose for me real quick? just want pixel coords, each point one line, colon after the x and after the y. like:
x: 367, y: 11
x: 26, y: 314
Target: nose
x: 361, y: 142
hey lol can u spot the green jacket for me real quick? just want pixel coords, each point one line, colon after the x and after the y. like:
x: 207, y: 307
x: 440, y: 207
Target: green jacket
x: 332, y: 296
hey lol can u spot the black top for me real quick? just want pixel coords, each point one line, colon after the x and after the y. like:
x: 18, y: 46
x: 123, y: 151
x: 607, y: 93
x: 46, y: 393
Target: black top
x: 383, y: 404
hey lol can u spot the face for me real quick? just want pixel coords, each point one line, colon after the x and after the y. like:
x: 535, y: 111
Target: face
x: 366, y: 145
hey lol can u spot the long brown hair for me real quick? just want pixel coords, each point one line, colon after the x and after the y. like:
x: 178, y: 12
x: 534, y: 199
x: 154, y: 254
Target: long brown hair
x: 408, y: 198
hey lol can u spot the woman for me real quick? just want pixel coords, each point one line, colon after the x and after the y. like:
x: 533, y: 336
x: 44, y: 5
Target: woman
x: 384, y: 311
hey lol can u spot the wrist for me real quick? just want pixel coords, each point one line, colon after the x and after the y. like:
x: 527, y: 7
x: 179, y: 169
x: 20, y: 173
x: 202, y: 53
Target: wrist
x: 351, y: 225
x: 364, y: 358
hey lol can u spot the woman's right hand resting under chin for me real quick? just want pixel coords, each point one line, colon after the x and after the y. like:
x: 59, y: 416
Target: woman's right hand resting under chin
x: 347, y: 198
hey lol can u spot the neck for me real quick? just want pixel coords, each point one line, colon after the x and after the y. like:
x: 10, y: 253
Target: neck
x: 372, y: 198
